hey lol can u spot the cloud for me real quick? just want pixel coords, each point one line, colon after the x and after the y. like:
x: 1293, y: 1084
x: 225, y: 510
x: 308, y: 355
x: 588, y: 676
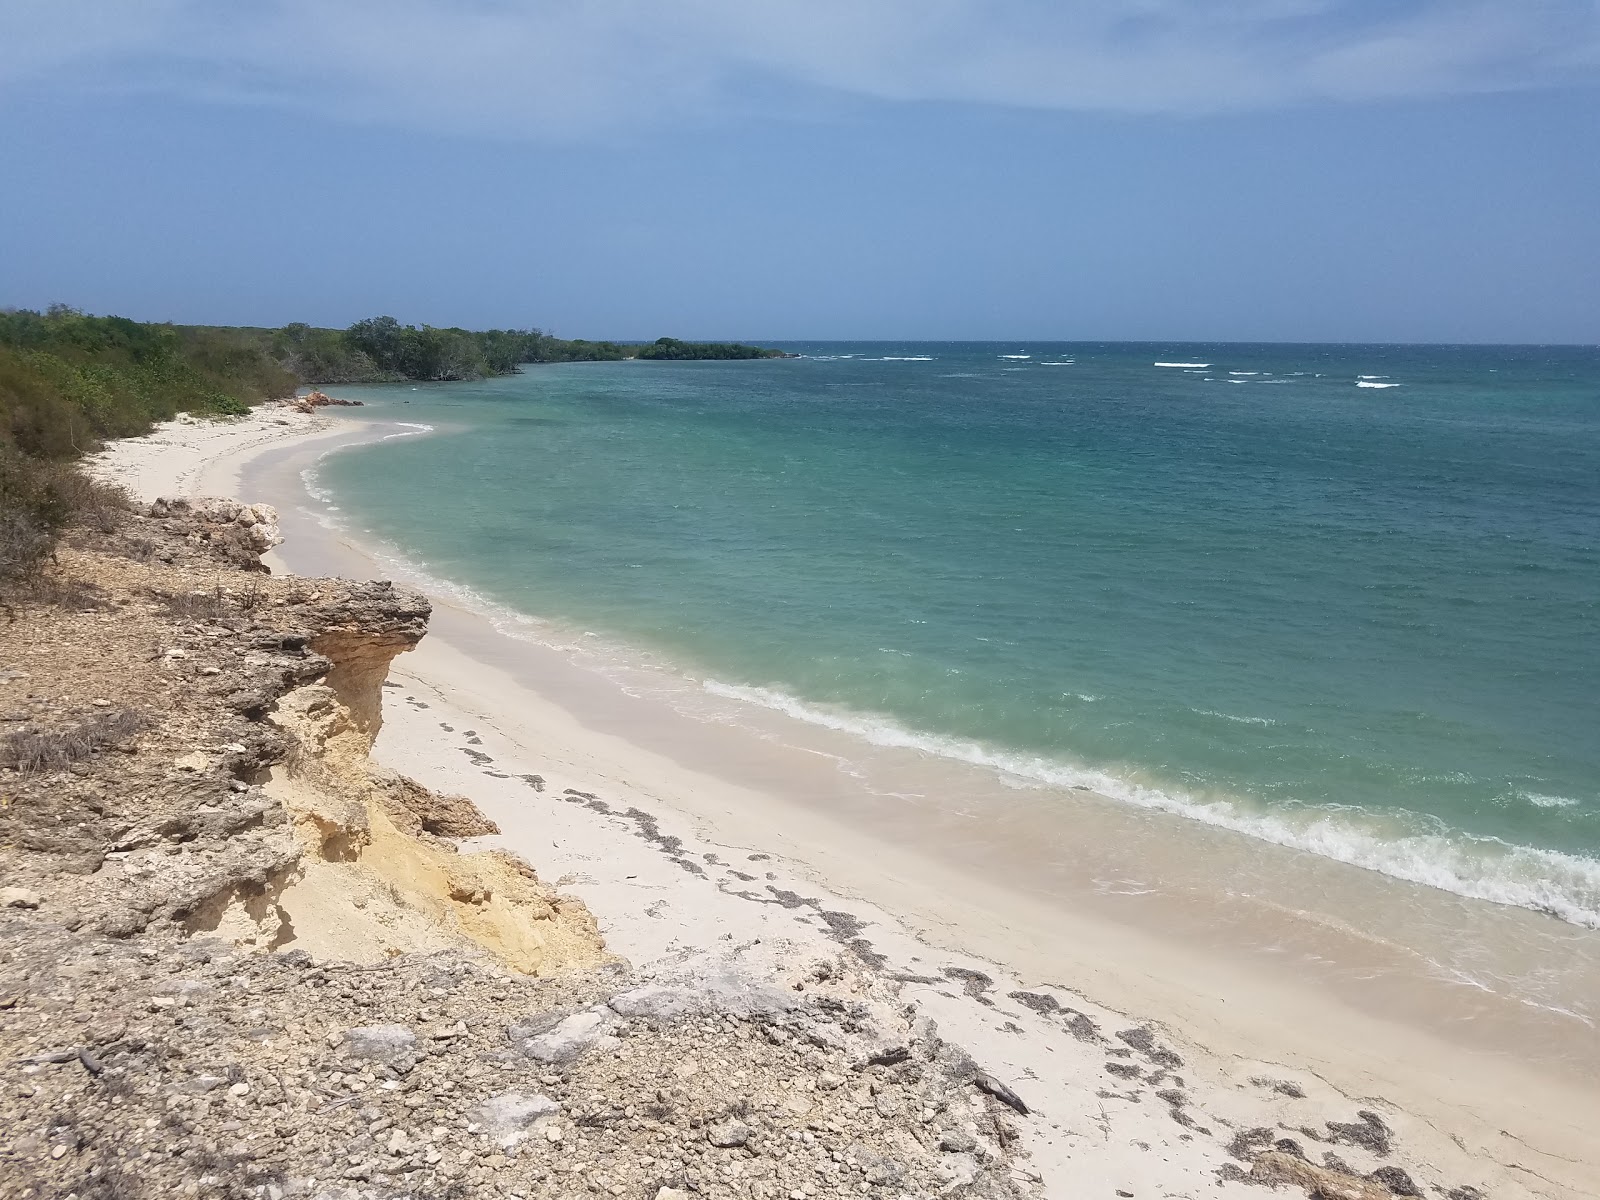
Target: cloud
x: 573, y: 67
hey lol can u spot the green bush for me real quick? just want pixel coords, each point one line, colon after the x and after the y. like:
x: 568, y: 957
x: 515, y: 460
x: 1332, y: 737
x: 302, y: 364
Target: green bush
x: 68, y: 380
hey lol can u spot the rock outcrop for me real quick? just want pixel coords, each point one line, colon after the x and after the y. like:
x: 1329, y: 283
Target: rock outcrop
x: 238, y: 960
x: 316, y: 399
x: 236, y: 534
x: 189, y: 752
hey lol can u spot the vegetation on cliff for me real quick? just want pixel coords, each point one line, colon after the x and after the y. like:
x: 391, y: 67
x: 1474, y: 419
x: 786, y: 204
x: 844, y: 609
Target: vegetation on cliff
x: 69, y: 381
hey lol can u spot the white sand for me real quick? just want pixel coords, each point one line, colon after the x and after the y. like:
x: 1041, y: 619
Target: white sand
x: 190, y: 457
x: 769, y: 868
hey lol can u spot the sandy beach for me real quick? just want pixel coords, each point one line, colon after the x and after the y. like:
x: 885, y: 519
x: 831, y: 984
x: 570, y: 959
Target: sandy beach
x: 679, y: 833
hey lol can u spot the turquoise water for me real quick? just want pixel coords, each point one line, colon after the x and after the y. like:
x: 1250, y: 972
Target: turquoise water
x: 1359, y: 620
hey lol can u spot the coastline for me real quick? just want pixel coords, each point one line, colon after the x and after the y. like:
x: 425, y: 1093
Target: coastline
x: 532, y: 710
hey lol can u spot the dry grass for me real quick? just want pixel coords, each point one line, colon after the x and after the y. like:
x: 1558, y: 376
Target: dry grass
x: 33, y: 752
x: 39, y: 501
x: 193, y: 606
x: 213, y: 605
x: 101, y: 507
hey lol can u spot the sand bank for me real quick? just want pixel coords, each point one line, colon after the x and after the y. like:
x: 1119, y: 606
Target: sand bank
x: 678, y: 832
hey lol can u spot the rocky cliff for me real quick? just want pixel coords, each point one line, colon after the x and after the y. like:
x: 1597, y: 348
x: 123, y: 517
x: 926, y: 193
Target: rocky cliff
x: 238, y: 960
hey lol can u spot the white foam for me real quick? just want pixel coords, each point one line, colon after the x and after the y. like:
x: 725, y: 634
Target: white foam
x: 1480, y: 868
x: 1540, y: 800
x: 1200, y: 365
x: 1244, y: 372
x: 1367, y: 383
x: 1066, y: 362
x: 1372, y: 377
x: 907, y: 358
x: 1207, y: 712
x: 311, y: 477
x: 1483, y: 868
x: 1016, y: 356
x: 311, y: 480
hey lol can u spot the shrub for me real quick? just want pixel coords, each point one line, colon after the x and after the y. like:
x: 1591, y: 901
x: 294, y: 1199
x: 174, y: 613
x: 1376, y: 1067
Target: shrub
x: 39, y: 499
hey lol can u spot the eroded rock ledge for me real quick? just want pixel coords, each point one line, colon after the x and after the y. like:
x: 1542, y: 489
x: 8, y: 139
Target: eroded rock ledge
x: 237, y: 960
x: 244, y: 803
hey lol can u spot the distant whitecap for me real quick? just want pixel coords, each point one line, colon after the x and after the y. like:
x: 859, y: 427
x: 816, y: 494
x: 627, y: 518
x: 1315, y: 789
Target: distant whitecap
x: 1541, y: 800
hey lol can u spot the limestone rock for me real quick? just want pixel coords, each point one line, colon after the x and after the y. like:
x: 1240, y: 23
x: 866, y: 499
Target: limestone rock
x: 572, y: 1037
x: 511, y: 1115
x: 728, y: 1134
x: 315, y: 399
x: 958, y: 1170
x: 380, y: 1043
x: 704, y: 985
x: 238, y: 534
x: 416, y: 809
x: 18, y: 897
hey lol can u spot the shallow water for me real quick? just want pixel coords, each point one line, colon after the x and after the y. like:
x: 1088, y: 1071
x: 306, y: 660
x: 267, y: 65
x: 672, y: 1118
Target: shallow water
x: 1242, y: 589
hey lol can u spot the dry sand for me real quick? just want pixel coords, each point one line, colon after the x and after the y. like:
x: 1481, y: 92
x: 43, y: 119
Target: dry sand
x: 476, y: 711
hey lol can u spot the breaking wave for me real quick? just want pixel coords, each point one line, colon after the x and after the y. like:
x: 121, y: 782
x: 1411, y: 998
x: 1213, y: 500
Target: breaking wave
x: 1480, y: 868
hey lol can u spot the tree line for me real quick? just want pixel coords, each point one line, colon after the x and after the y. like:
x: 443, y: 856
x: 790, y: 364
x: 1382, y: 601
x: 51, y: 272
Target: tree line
x: 381, y: 348
x: 69, y: 380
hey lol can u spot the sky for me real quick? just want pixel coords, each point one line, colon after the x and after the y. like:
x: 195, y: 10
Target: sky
x: 1276, y: 170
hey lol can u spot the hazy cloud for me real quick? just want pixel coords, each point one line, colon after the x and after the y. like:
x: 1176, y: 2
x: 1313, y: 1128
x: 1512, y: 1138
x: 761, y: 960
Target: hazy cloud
x: 542, y: 68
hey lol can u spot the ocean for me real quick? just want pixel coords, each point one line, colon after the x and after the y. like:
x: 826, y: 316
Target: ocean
x: 1345, y: 599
